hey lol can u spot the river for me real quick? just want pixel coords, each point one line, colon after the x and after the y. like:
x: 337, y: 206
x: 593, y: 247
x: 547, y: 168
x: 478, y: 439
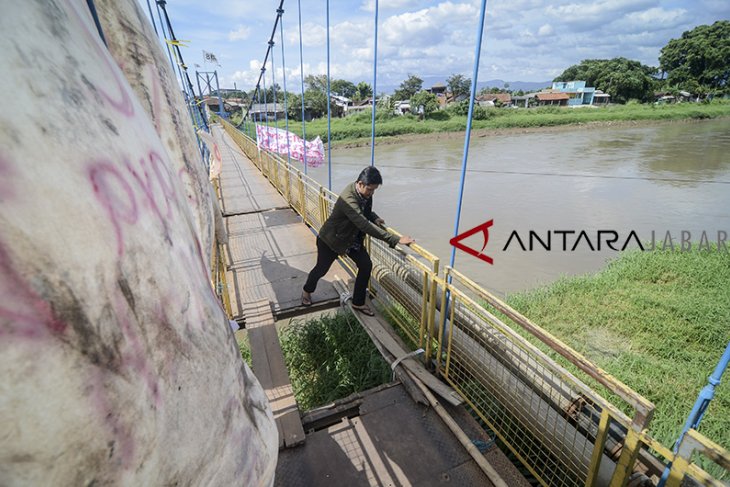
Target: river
x: 667, y: 177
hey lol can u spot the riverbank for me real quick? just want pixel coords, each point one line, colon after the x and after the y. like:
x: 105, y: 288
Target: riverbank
x: 658, y: 321
x: 494, y: 132
x: 355, y: 130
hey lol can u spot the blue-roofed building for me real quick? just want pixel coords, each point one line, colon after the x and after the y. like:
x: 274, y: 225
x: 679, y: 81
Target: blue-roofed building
x: 577, y: 91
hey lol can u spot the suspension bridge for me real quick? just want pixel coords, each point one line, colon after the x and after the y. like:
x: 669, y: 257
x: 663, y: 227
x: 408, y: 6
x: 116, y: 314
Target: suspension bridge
x: 131, y: 313
x: 560, y: 430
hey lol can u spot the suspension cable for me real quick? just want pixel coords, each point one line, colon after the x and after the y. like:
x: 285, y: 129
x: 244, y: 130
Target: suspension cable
x: 266, y: 105
x: 175, y: 67
x: 273, y: 89
x: 95, y: 16
x: 279, y: 12
x: 283, y: 70
x: 375, y: 86
x: 329, y: 102
x: 167, y: 46
x: 467, y: 137
x: 152, y: 18
x: 176, y: 49
x: 301, y: 75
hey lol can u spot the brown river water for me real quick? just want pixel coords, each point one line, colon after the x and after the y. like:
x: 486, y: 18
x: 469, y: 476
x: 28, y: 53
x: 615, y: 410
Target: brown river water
x: 668, y: 177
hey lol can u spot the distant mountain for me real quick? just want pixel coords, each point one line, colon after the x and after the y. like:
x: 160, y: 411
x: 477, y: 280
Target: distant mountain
x: 429, y: 81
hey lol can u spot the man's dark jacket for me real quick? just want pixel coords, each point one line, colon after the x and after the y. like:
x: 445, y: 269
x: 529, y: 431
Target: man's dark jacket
x: 348, y: 219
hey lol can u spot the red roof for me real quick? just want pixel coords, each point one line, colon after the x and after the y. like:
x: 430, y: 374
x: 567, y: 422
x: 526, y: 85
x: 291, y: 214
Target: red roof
x: 503, y: 97
x: 552, y: 96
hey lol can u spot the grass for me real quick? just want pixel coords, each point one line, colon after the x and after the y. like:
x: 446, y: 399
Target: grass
x: 358, y: 126
x: 245, y: 349
x: 658, y: 321
x: 331, y: 358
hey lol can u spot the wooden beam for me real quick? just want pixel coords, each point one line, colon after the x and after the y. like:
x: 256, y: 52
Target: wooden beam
x: 270, y: 369
x: 377, y: 329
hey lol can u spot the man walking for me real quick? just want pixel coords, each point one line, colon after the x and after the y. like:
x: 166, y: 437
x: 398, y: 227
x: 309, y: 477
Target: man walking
x: 343, y: 233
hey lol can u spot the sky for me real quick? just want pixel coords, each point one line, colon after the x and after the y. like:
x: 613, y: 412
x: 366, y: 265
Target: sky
x: 524, y: 40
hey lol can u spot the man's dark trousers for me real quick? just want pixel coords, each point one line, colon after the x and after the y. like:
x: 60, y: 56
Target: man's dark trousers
x: 326, y: 256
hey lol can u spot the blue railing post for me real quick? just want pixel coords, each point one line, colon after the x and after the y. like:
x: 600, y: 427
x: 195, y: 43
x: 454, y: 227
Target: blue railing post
x: 698, y: 410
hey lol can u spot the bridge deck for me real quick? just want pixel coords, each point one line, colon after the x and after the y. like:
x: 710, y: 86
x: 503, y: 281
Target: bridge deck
x: 391, y: 441
x: 270, y: 251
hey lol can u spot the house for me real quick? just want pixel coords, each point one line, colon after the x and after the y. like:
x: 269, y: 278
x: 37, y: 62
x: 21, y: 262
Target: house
x: 439, y: 90
x: 401, y: 107
x: 523, y: 100
x: 341, y: 101
x: 266, y: 111
x: 669, y: 97
x: 601, y: 98
x: 577, y: 91
x: 360, y: 106
x: 550, y: 98
x: 495, y: 99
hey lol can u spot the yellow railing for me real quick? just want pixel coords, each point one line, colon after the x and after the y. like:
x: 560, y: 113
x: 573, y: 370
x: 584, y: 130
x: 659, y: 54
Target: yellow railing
x: 218, y: 266
x: 562, y: 430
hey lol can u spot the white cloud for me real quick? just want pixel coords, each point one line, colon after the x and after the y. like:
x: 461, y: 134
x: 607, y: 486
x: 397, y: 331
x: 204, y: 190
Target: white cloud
x: 428, y: 27
x: 313, y: 35
x: 586, y: 16
x: 656, y: 18
x: 545, y: 30
x: 242, y: 32
x: 369, y: 5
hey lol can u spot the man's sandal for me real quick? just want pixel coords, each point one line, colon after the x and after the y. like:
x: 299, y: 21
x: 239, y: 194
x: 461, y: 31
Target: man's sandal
x: 364, y: 309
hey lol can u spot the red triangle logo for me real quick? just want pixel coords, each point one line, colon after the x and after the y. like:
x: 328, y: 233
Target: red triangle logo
x: 484, y: 228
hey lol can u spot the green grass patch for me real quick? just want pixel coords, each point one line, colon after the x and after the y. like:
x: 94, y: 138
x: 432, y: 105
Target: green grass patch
x: 245, y: 349
x: 331, y: 358
x: 358, y: 126
x: 658, y: 321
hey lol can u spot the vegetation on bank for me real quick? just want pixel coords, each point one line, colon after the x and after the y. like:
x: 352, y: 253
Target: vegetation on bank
x: 353, y: 127
x: 658, y: 321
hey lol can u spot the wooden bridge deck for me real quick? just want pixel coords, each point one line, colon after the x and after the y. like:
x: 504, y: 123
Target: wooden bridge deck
x: 382, y: 436
x: 270, y: 251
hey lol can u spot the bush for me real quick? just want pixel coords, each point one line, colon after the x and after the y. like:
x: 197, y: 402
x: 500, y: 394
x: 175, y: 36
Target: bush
x: 459, y: 109
x: 439, y: 115
x: 481, y: 113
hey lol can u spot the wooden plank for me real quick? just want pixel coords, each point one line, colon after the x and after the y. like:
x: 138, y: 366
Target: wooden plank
x: 377, y: 331
x: 270, y: 369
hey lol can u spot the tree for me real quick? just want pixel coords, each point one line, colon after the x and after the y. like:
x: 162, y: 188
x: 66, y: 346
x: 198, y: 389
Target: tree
x: 270, y: 94
x: 424, y: 102
x: 623, y: 79
x: 408, y: 88
x: 459, y: 85
x: 701, y: 57
x: 315, y: 104
x: 364, y: 91
x: 294, y: 107
x: 316, y: 82
x: 343, y: 88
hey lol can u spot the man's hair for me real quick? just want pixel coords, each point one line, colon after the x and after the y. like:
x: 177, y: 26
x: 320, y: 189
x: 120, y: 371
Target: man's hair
x: 370, y: 175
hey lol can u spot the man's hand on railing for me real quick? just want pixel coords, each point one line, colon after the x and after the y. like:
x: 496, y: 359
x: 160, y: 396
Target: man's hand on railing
x: 406, y: 240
